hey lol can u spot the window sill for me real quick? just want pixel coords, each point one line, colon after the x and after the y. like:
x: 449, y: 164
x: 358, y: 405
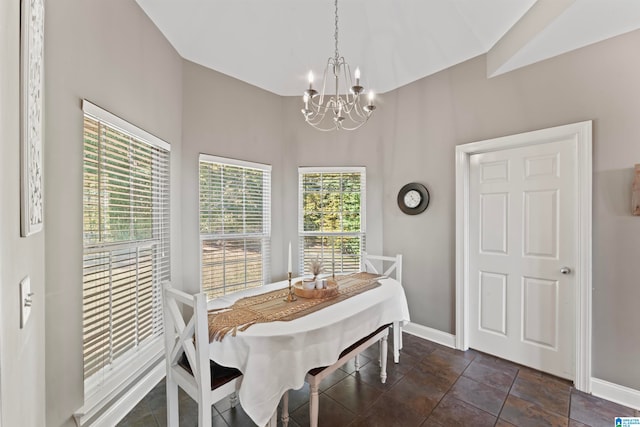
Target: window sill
x: 97, y: 399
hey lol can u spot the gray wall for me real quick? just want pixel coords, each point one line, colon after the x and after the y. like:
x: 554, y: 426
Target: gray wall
x: 422, y: 122
x: 22, y: 366
x: 110, y: 53
x: 225, y: 117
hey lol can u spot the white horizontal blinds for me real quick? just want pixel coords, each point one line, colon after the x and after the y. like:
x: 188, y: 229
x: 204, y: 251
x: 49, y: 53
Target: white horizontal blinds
x: 126, y: 242
x: 235, y: 224
x: 331, y: 218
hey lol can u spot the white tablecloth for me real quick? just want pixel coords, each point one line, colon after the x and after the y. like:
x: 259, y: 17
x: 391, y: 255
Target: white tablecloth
x: 275, y: 357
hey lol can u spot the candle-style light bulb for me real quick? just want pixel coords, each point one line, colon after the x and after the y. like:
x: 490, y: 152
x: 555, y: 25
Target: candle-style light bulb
x: 357, y: 74
x: 310, y: 79
x: 371, y: 97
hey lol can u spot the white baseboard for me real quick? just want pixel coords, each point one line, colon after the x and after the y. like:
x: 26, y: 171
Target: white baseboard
x: 616, y: 393
x: 430, y: 334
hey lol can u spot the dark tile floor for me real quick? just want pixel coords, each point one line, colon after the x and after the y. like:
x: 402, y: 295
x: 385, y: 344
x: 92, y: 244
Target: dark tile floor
x: 432, y: 386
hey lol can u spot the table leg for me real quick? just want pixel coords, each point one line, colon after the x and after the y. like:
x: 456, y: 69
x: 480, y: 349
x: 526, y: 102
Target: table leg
x: 285, y: 409
x: 313, y: 405
x: 383, y: 359
x: 397, y: 342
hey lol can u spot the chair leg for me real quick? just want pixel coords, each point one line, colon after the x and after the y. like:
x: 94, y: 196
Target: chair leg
x: 172, y: 402
x: 204, y: 413
x: 397, y: 342
x: 233, y: 399
x: 356, y: 362
x: 383, y: 359
x: 285, y: 409
x: 313, y: 404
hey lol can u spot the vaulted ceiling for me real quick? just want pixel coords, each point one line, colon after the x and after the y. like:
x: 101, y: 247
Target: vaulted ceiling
x: 273, y: 44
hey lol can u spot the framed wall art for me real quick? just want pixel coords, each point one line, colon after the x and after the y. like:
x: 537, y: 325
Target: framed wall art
x: 31, y: 115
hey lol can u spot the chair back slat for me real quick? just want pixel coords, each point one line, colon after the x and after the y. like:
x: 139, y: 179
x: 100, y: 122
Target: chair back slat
x: 396, y: 265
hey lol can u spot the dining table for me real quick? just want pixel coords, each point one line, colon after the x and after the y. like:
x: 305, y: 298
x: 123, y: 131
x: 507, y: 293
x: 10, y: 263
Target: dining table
x: 275, y: 356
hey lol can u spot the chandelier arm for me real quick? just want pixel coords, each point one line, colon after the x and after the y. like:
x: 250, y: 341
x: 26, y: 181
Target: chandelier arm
x: 331, y: 64
x: 348, y: 83
x: 360, y: 111
x: 356, y: 125
x: 317, y: 107
x: 318, y: 124
x: 359, y: 118
x: 323, y: 128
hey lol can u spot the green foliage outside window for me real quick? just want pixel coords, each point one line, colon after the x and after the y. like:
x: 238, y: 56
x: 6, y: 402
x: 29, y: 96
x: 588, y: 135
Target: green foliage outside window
x: 331, y: 209
x: 118, y: 182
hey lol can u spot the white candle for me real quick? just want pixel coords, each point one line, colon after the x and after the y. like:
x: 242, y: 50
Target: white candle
x: 357, y: 73
x: 310, y: 77
x: 289, y: 265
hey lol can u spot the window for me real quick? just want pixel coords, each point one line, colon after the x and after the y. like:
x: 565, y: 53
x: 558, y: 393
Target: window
x: 331, y: 217
x: 125, y: 241
x: 235, y: 224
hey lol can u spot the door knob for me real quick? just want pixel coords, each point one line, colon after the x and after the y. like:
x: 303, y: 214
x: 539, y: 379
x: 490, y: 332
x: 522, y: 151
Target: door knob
x: 565, y: 270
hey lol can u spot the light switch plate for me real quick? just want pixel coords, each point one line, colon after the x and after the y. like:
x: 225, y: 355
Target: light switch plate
x: 25, y: 300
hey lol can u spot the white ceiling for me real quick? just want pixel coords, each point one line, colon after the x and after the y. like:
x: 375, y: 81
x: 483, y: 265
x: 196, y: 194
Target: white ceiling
x: 273, y: 44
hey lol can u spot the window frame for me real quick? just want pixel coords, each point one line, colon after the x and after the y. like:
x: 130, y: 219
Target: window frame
x: 304, y: 170
x: 266, y: 218
x: 111, y: 380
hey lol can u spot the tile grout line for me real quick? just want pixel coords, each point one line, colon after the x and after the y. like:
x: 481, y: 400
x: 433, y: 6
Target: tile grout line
x: 570, y: 401
x: 515, y: 377
x: 471, y: 404
x: 451, y: 387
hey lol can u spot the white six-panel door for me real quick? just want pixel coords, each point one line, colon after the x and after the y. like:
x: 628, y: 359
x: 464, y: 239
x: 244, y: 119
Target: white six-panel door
x: 522, y: 216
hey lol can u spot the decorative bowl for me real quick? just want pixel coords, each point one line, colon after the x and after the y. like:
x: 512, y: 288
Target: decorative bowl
x: 330, y: 291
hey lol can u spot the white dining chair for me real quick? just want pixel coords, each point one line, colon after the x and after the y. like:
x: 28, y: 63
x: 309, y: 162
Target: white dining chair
x: 187, y: 355
x: 375, y: 264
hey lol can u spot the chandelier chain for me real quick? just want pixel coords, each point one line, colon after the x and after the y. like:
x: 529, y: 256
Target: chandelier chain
x: 335, y: 35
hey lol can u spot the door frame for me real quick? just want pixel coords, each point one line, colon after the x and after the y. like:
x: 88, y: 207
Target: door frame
x: 581, y: 132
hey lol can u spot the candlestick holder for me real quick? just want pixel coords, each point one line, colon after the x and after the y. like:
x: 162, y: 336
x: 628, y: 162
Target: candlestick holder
x: 290, y: 297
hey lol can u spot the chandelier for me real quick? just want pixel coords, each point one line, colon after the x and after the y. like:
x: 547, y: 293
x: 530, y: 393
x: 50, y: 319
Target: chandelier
x: 346, y: 108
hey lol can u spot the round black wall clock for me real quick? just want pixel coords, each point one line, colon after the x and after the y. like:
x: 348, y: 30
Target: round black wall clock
x: 413, y: 198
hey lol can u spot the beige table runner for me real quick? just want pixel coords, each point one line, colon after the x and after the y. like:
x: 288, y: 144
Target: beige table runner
x: 270, y: 307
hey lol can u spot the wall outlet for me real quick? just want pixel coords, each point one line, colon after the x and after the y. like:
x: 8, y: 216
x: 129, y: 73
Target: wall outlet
x: 25, y: 300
